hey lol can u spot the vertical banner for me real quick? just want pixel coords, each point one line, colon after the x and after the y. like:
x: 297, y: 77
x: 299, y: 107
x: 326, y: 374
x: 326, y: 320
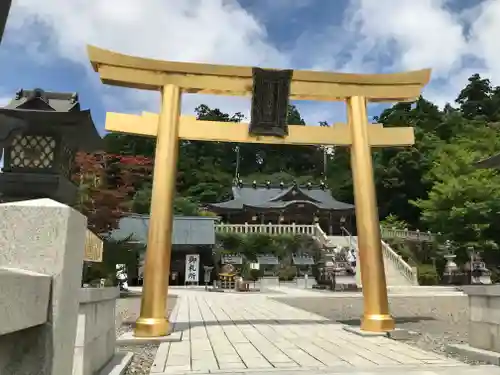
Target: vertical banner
x: 192, y: 268
x: 94, y: 247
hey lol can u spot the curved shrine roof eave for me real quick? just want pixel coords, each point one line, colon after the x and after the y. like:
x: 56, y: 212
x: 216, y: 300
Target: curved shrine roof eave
x: 229, y: 205
x: 262, y: 198
x: 290, y: 189
x: 284, y: 205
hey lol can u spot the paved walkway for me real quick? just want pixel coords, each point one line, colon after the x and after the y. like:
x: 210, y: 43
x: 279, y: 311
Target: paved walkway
x: 251, y: 334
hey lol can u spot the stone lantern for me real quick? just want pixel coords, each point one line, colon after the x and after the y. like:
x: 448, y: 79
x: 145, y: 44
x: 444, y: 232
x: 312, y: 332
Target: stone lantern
x: 452, y: 273
x: 450, y: 267
x: 40, y: 133
x: 480, y: 274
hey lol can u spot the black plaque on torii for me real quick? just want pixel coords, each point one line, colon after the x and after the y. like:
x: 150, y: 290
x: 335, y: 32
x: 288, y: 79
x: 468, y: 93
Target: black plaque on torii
x: 270, y: 92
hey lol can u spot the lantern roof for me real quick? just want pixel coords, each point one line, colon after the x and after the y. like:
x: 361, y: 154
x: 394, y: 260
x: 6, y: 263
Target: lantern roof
x: 55, y: 110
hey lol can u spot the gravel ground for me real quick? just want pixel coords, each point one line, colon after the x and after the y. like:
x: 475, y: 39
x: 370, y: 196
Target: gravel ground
x: 127, y: 311
x: 437, y: 320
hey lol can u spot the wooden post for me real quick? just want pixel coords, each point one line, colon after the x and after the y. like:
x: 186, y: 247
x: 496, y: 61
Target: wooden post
x: 153, y: 321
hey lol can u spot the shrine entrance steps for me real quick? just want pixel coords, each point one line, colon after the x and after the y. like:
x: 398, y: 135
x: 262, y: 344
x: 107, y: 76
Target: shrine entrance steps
x: 397, y: 271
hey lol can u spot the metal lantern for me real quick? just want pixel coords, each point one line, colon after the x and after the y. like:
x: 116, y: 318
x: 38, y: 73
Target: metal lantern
x: 40, y: 133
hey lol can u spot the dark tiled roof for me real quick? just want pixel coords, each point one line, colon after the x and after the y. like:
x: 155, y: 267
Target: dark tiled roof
x: 54, y: 109
x: 273, y: 197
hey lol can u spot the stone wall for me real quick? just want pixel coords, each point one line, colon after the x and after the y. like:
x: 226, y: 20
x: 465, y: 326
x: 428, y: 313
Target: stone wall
x: 47, y: 238
x: 484, y: 318
x: 306, y: 284
x: 95, y: 332
x: 49, y: 325
x: 269, y: 282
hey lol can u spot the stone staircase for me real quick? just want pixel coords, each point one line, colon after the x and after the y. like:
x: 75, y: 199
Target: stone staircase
x: 397, y: 271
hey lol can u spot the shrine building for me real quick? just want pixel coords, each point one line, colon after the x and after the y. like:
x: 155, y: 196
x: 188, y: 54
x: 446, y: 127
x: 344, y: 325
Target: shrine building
x: 285, y: 204
x: 192, y: 236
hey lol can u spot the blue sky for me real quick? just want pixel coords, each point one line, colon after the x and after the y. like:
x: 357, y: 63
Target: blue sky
x: 44, y: 44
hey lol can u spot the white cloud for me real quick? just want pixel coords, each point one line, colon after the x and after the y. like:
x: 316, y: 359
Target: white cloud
x: 214, y: 31
x: 424, y: 32
x: 427, y: 33
x: 485, y: 34
x: 376, y: 36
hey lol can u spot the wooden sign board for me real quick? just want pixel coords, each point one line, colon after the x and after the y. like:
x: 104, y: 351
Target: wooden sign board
x: 94, y: 248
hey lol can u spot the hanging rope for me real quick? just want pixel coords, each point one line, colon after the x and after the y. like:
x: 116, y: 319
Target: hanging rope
x: 237, y: 172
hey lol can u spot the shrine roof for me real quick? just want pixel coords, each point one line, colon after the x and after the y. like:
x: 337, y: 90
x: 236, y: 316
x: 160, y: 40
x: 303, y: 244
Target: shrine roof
x: 281, y: 196
x: 187, y: 230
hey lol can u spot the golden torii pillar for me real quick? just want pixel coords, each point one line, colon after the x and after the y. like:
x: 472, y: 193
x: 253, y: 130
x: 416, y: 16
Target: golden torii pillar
x: 270, y: 91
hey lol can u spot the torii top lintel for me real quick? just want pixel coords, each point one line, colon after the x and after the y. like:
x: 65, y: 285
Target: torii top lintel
x: 149, y: 74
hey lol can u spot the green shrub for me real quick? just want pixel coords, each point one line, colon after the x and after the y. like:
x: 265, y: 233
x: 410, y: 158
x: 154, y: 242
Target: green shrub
x: 282, y: 246
x: 287, y: 273
x: 255, y: 274
x: 495, y: 275
x: 427, y: 275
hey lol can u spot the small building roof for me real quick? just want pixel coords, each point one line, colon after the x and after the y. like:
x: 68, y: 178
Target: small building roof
x: 187, y: 230
x: 280, y: 197
x: 267, y: 259
x: 302, y: 260
x: 232, y: 259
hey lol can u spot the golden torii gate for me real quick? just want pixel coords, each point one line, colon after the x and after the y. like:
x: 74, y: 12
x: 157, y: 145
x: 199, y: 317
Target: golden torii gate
x: 270, y: 91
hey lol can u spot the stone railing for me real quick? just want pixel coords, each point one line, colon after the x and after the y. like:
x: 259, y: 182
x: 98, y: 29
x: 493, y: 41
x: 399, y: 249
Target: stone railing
x: 409, y: 272
x: 320, y: 236
x: 49, y: 325
x: 267, y: 228
x: 415, y: 235
x: 315, y: 230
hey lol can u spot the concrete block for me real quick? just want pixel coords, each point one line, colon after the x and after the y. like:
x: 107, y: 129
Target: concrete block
x: 46, y: 237
x: 477, y: 308
x: 24, y: 299
x: 474, y: 354
x: 480, y: 335
x: 96, y: 339
x: 118, y: 365
x: 396, y: 334
x: 128, y: 339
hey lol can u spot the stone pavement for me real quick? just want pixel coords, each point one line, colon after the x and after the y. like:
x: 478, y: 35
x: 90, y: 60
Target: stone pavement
x: 251, y: 334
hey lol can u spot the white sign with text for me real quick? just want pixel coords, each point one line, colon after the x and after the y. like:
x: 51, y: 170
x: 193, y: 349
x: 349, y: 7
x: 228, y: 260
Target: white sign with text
x: 192, y: 268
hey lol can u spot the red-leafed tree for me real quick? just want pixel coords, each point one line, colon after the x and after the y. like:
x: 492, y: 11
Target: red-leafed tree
x: 107, y: 184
